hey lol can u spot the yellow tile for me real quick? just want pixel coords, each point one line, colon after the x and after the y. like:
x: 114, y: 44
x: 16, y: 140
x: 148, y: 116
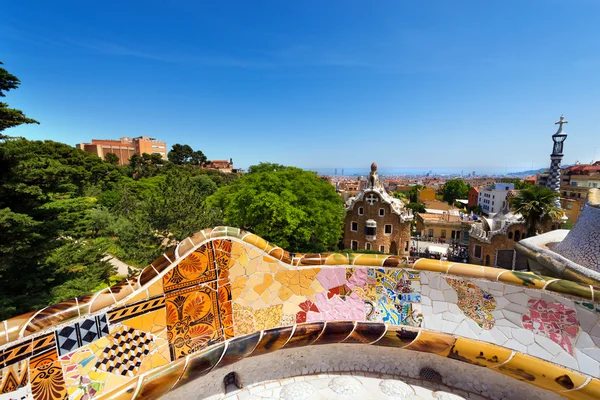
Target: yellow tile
x: 285, y: 293
x: 478, y: 353
x: 156, y: 288
x: 307, y: 276
x: 142, y: 295
x: 154, y: 322
x: 541, y: 373
x: 238, y: 285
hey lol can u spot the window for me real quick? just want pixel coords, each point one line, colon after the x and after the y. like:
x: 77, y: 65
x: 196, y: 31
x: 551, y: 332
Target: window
x: 510, y: 235
x: 504, y: 259
x: 443, y: 233
x: 388, y: 229
x: 569, y: 206
x: 354, y: 245
x: 382, y: 249
x: 370, y: 230
x: 367, y: 246
x: 381, y: 212
x: 564, y: 194
x: 431, y: 232
x: 477, y: 251
x: 354, y: 227
x: 573, y: 183
x: 361, y: 211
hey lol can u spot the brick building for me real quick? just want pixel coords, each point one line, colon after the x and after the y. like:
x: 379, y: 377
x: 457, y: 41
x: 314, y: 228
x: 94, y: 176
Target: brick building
x: 377, y: 221
x: 125, y: 147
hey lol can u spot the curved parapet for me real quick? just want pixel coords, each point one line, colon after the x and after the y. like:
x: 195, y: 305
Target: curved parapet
x: 224, y: 295
x: 582, y: 243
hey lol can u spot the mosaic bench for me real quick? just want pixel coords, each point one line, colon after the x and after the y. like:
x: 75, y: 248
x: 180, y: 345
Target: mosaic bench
x: 224, y: 294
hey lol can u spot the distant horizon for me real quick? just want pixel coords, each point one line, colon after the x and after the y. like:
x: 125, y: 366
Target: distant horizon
x: 406, y: 171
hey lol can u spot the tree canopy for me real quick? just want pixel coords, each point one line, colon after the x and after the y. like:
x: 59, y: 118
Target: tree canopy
x: 455, y: 189
x: 185, y: 155
x: 287, y: 206
x: 537, y: 205
x: 10, y: 117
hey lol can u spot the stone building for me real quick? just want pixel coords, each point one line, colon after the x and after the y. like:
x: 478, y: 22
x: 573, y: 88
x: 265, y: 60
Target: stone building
x: 492, y: 240
x: 445, y: 227
x: 377, y: 221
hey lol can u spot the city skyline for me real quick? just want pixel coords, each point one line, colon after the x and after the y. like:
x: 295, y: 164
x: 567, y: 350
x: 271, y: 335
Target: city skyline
x: 442, y: 87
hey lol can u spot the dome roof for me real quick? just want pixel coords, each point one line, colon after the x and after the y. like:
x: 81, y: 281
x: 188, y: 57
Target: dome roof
x: 373, y: 167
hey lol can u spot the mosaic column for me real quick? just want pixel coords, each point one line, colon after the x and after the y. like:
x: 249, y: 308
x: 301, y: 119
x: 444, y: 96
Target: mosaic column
x: 556, y: 157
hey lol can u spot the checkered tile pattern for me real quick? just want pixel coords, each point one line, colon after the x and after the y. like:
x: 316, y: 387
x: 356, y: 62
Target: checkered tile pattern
x: 86, y: 331
x: 554, y: 176
x: 125, y: 352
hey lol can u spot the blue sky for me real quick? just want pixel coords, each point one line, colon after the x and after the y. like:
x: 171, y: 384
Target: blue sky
x: 442, y: 85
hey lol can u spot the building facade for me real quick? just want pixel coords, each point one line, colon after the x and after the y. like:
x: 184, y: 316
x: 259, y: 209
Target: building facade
x: 493, y: 199
x: 576, y: 180
x: 125, y: 147
x: 473, y: 197
x: 377, y: 221
x: 446, y: 227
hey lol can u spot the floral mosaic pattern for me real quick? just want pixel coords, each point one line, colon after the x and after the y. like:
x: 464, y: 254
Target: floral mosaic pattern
x: 554, y: 320
x: 46, y: 376
x: 476, y: 303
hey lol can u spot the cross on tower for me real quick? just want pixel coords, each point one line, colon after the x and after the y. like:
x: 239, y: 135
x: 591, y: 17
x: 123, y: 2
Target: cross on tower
x: 561, y: 122
x: 372, y: 199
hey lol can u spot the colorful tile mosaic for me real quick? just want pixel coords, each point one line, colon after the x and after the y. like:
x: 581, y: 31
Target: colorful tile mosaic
x: 193, y: 319
x: 226, y: 287
x: 14, y: 377
x: 474, y: 302
x: 554, y: 320
x: 46, y: 377
x: 198, y: 267
x: 82, y: 333
x: 398, y: 294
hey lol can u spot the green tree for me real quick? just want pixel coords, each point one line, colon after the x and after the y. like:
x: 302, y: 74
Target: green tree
x: 178, y: 209
x: 416, y: 207
x: 266, y: 167
x: 537, y: 205
x: 455, y: 189
x: 290, y: 207
x: 49, y: 234
x: 111, y: 158
x: 10, y: 117
x: 183, y: 154
x: 413, y: 192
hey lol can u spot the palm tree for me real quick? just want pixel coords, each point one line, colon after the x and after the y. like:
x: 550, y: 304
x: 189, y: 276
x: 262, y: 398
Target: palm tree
x: 537, y: 205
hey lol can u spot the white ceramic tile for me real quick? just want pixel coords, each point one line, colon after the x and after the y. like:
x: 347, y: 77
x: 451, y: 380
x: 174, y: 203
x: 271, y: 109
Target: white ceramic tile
x: 448, y: 316
x: 424, y: 277
x: 513, y: 344
x: 481, y: 285
x: 584, y: 341
x: 501, y: 302
x: 453, y: 308
x: 519, y: 309
x: 587, y: 364
x: 518, y: 298
x: 464, y: 331
x: 548, y: 344
x: 587, y: 319
x: 506, y: 330
x: 508, y: 289
x: 565, y: 359
x: 439, y: 307
x: 499, y: 337
x: 513, y: 317
x: 475, y: 328
x: 444, y: 285
x: 434, y: 281
x: 435, y: 294
x: 425, y: 300
x: 449, y: 326
x: 486, y: 336
x: 593, y: 352
x: 450, y: 296
x: 425, y: 290
x: 537, y: 351
x: 523, y: 335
